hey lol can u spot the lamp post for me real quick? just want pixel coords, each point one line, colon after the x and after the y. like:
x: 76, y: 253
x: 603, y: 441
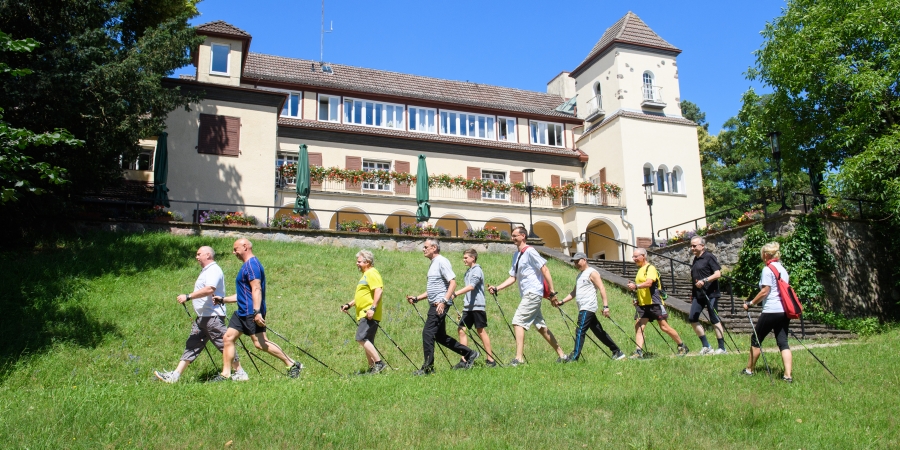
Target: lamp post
x: 648, y: 190
x: 776, y: 154
x: 529, y: 188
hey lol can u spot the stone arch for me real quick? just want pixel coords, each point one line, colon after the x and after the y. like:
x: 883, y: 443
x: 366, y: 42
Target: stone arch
x: 599, y: 247
x: 348, y: 213
x: 499, y: 222
x: 397, y: 218
x: 549, y: 233
x: 456, y: 228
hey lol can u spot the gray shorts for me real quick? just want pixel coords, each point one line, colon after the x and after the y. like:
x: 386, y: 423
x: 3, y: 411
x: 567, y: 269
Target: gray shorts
x: 366, y: 330
x: 529, y: 312
x: 205, y: 329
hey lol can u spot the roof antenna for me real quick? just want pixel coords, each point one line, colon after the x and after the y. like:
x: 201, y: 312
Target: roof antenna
x: 325, y: 67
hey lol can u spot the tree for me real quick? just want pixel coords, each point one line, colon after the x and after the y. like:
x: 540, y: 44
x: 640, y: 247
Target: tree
x: 692, y: 112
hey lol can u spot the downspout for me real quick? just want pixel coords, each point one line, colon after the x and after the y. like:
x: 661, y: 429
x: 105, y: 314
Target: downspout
x: 629, y: 225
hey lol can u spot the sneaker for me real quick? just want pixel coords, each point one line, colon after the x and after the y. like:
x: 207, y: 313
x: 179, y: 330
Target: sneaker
x: 683, y: 349
x: 720, y: 351
x: 294, y: 370
x: 219, y: 378
x: 638, y: 354
x: 787, y: 379
x: 618, y: 355
x: 240, y: 375
x: 747, y: 372
x: 379, y: 366
x: 490, y: 363
x: 470, y: 359
x: 424, y: 371
x: 706, y: 351
x: 461, y: 365
x: 563, y: 359
x: 168, y: 377
x: 515, y: 362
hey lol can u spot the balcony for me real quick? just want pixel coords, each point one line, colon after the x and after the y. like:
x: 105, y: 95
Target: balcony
x: 594, y: 109
x: 652, y: 97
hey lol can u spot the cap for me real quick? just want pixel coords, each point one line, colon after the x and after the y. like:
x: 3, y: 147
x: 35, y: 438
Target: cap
x: 578, y: 256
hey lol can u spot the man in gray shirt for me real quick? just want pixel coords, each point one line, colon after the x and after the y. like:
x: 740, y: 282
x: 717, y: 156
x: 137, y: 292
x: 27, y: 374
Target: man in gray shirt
x: 439, y: 292
x: 474, y: 314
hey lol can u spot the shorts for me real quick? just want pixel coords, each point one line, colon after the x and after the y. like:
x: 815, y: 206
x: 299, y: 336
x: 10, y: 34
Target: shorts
x: 651, y: 312
x: 775, y: 323
x: 366, y: 330
x: 476, y: 319
x: 203, y: 330
x: 697, y: 306
x: 529, y: 312
x: 245, y: 324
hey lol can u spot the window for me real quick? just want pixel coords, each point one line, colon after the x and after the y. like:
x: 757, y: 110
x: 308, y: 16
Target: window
x: 219, y: 60
x: 676, y: 179
x: 506, y: 129
x: 328, y: 108
x: 568, y: 200
x: 648, y: 170
x: 545, y: 133
x: 661, y: 179
x: 373, y: 114
x: 496, y: 177
x: 469, y: 125
x: 142, y: 162
x: 283, y: 159
x: 422, y: 119
x: 650, y: 92
x: 372, y: 166
x: 219, y: 135
x: 291, y: 106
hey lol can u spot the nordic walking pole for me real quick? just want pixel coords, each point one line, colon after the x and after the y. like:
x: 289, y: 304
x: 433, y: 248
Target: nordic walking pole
x: 656, y: 327
x: 373, y: 344
x: 248, y: 355
x: 716, y: 312
x: 304, y: 351
x: 439, y: 346
x: 460, y: 324
x: 622, y: 330
x: 513, y: 333
x: 814, y: 356
x: 262, y: 360
x: 574, y: 341
x: 398, y: 346
x: 204, y: 344
x: 766, y: 361
x: 566, y: 315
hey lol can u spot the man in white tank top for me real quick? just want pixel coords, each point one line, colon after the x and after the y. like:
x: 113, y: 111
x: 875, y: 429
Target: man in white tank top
x: 585, y: 294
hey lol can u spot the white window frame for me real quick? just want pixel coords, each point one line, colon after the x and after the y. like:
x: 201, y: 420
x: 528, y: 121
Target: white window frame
x: 648, y: 174
x: 677, y: 180
x: 375, y: 186
x: 462, y: 118
x: 334, y: 105
x: 212, y: 59
x: 660, y: 179
x: 369, y: 109
x: 511, y: 132
x: 417, y: 111
x: 287, y: 104
x: 495, y: 176
x: 287, y: 158
x: 543, y: 128
x: 569, y: 200
x: 135, y: 164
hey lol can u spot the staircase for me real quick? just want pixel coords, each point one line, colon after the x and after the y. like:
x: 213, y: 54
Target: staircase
x: 680, y: 301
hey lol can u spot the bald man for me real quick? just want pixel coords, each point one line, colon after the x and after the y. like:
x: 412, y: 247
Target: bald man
x: 210, y: 322
x: 250, y: 317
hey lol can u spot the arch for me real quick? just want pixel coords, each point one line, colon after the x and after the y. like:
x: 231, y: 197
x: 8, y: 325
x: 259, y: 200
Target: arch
x: 501, y: 223
x: 648, y: 78
x: 550, y: 234
x: 289, y: 211
x: 661, y: 179
x: 677, y: 180
x: 648, y: 173
x: 647, y: 86
x: 348, y: 213
x: 595, y: 245
x: 456, y: 228
x: 597, y: 89
x: 397, y: 218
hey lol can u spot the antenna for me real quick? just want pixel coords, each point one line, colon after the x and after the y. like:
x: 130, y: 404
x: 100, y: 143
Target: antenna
x: 322, y: 40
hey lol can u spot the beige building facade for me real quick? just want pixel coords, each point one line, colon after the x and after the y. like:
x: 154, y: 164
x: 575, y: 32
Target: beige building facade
x: 613, y: 122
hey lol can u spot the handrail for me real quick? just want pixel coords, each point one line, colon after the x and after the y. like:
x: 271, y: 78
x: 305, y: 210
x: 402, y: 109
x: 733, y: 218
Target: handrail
x: 744, y: 206
x: 819, y: 198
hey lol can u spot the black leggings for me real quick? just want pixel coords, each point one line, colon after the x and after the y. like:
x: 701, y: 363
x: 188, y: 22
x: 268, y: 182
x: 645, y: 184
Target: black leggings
x: 776, y: 322
x: 697, y: 306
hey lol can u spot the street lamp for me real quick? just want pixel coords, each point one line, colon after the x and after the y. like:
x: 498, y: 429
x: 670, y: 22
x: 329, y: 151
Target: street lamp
x: 648, y: 190
x: 776, y: 154
x: 529, y: 188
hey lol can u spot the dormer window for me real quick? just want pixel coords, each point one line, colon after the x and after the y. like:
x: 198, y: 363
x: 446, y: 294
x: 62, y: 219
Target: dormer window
x: 219, y: 61
x: 545, y: 133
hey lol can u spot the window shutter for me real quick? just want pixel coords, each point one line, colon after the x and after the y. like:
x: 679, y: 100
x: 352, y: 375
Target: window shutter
x: 219, y: 135
x: 473, y: 173
x: 514, y: 195
x: 602, y: 176
x: 555, y: 182
x: 353, y: 163
x: 401, y: 167
x: 315, y: 160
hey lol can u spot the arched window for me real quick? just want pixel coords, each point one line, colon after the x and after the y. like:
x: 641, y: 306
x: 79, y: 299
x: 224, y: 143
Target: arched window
x: 648, y: 86
x: 598, y: 98
x: 661, y: 179
x: 648, y: 173
x: 677, y: 180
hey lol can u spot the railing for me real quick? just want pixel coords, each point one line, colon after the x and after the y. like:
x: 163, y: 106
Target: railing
x: 594, y: 108
x: 725, y: 212
x: 652, y: 93
x: 845, y: 207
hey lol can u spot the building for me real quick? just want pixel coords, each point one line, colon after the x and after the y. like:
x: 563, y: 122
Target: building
x: 613, y: 123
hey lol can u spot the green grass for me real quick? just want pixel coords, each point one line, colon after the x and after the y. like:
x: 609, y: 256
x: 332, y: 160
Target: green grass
x: 87, y: 320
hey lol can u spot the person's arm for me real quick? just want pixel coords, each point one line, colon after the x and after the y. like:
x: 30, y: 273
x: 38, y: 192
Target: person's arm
x: 545, y: 271
x: 715, y: 276
x: 567, y: 299
x: 376, y: 298
x: 230, y: 299
x: 598, y: 283
x: 199, y: 293
x: 348, y: 305
x: 441, y: 306
x: 256, y: 292
x: 416, y: 298
x: 763, y: 293
x: 495, y: 289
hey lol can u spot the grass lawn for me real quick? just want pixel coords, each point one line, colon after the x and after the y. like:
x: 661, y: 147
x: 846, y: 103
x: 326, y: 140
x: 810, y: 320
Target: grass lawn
x: 86, y: 321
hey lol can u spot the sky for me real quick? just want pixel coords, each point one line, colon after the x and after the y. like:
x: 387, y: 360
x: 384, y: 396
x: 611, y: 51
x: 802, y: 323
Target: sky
x: 520, y: 44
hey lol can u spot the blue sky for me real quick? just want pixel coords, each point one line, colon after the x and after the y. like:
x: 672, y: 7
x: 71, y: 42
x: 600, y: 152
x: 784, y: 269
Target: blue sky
x: 520, y: 44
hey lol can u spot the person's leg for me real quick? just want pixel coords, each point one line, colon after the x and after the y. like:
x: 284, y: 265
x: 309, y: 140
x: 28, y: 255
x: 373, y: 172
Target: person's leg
x: 371, y: 353
x: 365, y: 337
x: 486, y: 341
x: 214, y: 328
x: 228, y: 350
x: 762, y: 328
x: 664, y: 326
x: 429, y: 331
x: 444, y: 339
x: 639, y: 332
x: 694, y: 319
x: 717, y: 322
x: 263, y: 343
x: 519, y: 331
x: 369, y: 359
x: 528, y: 310
x: 581, y: 327
x: 603, y: 335
x: 781, y: 337
x: 193, y: 346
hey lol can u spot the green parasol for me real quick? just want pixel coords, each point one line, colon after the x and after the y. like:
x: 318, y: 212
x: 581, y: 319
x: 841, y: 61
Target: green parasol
x: 423, y: 213
x: 301, y: 204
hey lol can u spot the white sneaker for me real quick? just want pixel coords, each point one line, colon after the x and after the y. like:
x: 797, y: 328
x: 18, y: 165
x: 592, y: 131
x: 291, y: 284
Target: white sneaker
x: 706, y: 351
x: 168, y: 377
x: 720, y: 351
x: 240, y: 375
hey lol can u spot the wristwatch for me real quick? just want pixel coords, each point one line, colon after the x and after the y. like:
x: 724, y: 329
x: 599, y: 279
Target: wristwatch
x: 372, y: 308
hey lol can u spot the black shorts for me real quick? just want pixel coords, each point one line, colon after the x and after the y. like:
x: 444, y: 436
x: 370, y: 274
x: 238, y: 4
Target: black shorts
x: 245, y: 324
x: 775, y: 323
x: 651, y: 312
x: 697, y: 307
x: 476, y: 319
x: 366, y: 330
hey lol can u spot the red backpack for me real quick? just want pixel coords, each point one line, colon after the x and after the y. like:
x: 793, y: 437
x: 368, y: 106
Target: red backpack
x: 789, y: 299
x: 547, y: 291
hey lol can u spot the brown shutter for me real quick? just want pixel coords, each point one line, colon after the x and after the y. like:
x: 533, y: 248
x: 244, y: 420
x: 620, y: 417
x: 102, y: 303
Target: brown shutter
x: 353, y: 163
x: 514, y: 195
x: 219, y: 135
x: 602, y: 176
x: 643, y: 242
x: 473, y: 173
x: 554, y: 181
x: 401, y: 167
x: 315, y: 160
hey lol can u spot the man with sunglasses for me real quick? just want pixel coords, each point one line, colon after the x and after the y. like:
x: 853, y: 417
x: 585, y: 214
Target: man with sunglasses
x: 705, y: 270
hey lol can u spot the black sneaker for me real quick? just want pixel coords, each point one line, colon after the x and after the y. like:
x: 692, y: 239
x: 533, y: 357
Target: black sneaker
x: 379, y: 366
x: 470, y: 359
x: 515, y: 362
x: 294, y: 370
x: 461, y: 365
x: 683, y: 350
x: 424, y: 371
x: 787, y: 379
x: 490, y: 363
x: 618, y: 355
x: 219, y: 378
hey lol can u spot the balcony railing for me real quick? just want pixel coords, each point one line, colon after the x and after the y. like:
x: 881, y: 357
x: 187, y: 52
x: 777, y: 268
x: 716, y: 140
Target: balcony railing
x: 594, y: 108
x: 652, y: 97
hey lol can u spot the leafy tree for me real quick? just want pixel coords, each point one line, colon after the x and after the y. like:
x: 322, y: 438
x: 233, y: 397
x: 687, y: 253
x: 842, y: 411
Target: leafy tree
x: 692, y: 112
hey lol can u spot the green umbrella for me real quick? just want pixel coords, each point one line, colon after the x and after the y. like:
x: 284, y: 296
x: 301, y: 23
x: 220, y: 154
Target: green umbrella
x: 161, y: 172
x: 424, y: 211
x: 301, y: 204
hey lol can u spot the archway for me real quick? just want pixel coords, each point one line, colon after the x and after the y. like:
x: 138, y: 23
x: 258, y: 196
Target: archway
x: 289, y: 211
x: 397, y: 218
x: 599, y: 247
x: 456, y: 228
x: 551, y: 235
x: 348, y: 214
x: 500, y: 223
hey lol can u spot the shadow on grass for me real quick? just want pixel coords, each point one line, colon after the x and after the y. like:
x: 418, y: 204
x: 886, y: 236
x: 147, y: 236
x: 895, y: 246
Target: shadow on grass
x: 46, y: 289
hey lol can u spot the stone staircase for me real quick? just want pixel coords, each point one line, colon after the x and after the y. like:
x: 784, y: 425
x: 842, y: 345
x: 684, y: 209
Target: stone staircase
x: 731, y: 310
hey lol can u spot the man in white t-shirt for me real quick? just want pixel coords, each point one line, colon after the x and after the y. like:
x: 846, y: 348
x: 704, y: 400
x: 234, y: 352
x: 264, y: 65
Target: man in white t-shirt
x: 530, y: 269
x: 209, y: 324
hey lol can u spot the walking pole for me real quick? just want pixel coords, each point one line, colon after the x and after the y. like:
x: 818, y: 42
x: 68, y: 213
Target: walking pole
x: 248, y: 355
x: 656, y: 327
x: 460, y: 324
x: 566, y: 315
x: 204, y: 344
x: 623, y: 331
x: 264, y: 361
x: 716, y: 312
x: 304, y: 351
x: 398, y: 347
x: 513, y: 333
x: 753, y: 327
x: 439, y: 346
x: 373, y: 344
x: 814, y: 356
x: 574, y: 341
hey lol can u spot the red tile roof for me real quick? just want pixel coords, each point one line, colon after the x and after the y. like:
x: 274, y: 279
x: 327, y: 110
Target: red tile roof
x: 220, y: 27
x: 630, y: 29
x: 308, y: 73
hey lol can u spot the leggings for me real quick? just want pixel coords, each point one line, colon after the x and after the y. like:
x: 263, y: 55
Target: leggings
x: 775, y: 322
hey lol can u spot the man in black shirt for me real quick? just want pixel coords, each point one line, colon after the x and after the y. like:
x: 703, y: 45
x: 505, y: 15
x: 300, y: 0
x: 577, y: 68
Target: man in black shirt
x: 705, y: 270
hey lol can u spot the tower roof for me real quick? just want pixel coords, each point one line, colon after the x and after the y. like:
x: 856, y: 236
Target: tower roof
x: 630, y: 29
x: 222, y: 28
